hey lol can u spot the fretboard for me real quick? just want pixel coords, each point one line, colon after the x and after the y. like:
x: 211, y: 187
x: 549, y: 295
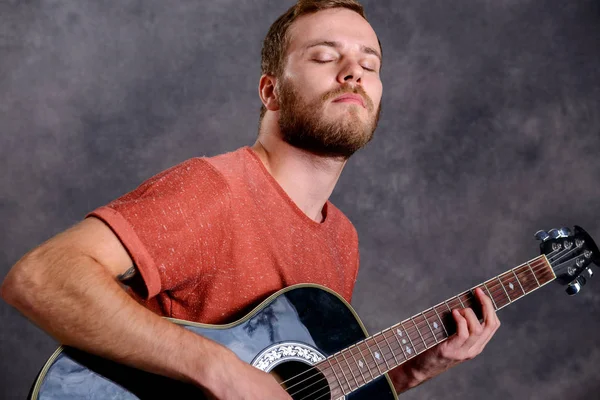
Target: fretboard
x: 367, y: 360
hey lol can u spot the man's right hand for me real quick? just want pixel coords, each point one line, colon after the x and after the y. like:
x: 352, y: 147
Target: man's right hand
x: 240, y: 381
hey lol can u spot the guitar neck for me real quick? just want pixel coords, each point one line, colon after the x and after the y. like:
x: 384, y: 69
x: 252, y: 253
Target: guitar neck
x: 369, y: 359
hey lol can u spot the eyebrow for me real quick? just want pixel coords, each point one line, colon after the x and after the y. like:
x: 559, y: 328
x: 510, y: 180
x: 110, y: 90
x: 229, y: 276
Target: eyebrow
x: 337, y: 45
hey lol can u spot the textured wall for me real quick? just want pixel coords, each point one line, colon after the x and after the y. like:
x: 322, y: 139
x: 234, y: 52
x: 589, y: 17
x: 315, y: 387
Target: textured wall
x: 489, y: 132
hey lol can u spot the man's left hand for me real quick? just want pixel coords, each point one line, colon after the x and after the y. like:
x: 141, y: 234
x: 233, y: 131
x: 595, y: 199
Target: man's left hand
x: 469, y: 341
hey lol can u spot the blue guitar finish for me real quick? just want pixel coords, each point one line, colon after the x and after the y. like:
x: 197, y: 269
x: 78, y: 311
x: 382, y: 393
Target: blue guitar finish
x: 308, y: 315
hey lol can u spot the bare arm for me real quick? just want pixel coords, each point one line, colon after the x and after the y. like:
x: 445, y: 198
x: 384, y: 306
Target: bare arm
x: 68, y: 286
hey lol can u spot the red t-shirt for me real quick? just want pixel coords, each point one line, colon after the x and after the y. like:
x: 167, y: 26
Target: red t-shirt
x: 211, y: 237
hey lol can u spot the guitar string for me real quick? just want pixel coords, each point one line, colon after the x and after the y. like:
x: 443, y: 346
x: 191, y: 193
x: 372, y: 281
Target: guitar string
x: 569, y: 251
x: 562, y: 265
x: 374, y: 363
x: 424, y: 320
x: 409, y: 331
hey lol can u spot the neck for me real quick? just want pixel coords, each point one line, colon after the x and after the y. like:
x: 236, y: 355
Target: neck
x: 353, y: 367
x: 307, y: 179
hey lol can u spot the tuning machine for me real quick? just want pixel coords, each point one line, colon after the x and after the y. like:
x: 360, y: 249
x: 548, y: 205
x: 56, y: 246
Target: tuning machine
x: 553, y: 234
x: 564, y: 232
x: 542, y: 236
x: 575, y: 287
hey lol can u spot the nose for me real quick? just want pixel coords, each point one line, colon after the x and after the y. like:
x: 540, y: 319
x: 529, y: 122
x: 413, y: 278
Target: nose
x: 351, y: 72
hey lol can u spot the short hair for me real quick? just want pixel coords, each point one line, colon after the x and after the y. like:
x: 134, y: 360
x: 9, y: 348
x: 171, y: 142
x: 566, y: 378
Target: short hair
x: 277, y: 40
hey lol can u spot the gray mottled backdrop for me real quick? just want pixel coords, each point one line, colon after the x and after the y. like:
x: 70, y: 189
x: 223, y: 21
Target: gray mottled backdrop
x: 490, y: 131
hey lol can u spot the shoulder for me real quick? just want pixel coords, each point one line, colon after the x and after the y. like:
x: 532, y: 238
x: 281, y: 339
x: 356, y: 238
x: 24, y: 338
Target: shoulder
x: 194, y: 182
x: 231, y: 165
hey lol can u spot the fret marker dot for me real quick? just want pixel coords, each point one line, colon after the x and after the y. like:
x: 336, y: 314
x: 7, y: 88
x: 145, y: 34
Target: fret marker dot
x: 399, y: 332
x: 360, y: 364
x: 377, y: 356
x: 408, y: 350
x: 511, y: 286
x: 435, y: 325
x: 403, y: 341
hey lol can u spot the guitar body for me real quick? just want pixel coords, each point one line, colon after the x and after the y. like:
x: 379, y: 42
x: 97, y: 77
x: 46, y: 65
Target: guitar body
x: 293, y: 329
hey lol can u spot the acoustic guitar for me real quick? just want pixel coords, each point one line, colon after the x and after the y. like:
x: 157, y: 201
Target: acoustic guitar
x: 312, y: 340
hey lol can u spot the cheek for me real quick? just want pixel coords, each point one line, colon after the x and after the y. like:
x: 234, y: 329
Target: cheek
x: 377, y: 94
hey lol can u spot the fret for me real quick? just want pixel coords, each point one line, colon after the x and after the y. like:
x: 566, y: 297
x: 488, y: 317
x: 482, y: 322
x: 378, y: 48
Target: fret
x: 535, y: 277
x: 358, y: 365
x: 337, y: 379
x: 420, y: 318
x: 441, y: 322
x: 527, y: 282
x: 415, y: 335
x: 518, y: 281
x: 507, y: 279
x: 505, y: 292
x: 381, y: 354
x: 449, y: 309
x: 411, y: 349
x: 350, y: 370
x: 459, y: 299
x: 548, y: 268
x: 432, y: 332
x: 490, y: 293
x: 391, y: 356
x: 361, y: 362
x: 419, y: 332
x: 375, y: 359
x: 397, y: 333
x: 390, y: 347
x: 366, y: 362
x: 545, y: 272
x: 344, y: 375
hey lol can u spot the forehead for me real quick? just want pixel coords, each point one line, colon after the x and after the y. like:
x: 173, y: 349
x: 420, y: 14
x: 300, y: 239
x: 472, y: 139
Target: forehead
x: 337, y: 24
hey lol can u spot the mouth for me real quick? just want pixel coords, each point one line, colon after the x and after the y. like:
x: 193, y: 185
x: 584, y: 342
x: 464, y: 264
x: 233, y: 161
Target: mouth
x: 350, y: 98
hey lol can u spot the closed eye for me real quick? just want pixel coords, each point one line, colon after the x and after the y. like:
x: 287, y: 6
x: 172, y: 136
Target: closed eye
x: 328, y: 61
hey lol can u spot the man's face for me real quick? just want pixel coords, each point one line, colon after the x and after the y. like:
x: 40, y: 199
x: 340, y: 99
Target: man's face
x: 332, y: 53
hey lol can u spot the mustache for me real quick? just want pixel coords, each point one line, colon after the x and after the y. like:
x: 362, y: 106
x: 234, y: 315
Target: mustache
x: 347, y: 89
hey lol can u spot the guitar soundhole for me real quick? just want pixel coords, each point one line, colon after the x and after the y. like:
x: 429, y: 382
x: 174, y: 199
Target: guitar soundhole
x: 302, y: 381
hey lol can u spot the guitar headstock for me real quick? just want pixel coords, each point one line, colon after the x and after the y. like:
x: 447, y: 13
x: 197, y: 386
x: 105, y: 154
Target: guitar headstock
x: 570, y: 254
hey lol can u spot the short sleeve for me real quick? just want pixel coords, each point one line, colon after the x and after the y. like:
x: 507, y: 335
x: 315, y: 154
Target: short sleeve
x: 174, y: 225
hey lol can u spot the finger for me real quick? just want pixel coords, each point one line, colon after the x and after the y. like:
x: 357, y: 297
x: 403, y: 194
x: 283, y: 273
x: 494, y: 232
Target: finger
x: 491, y: 323
x: 462, y: 329
x: 476, y: 330
x: 475, y: 327
x: 487, y: 308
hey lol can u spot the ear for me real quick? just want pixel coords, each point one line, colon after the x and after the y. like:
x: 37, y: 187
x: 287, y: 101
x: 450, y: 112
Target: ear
x: 268, y: 94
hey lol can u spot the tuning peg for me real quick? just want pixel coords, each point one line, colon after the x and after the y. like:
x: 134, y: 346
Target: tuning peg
x: 574, y: 287
x: 542, y: 236
x: 554, y: 234
x: 565, y: 232
x: 589, y: 272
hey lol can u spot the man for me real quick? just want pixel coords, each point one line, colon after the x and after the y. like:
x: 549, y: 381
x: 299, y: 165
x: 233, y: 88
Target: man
x: 206, y: 239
